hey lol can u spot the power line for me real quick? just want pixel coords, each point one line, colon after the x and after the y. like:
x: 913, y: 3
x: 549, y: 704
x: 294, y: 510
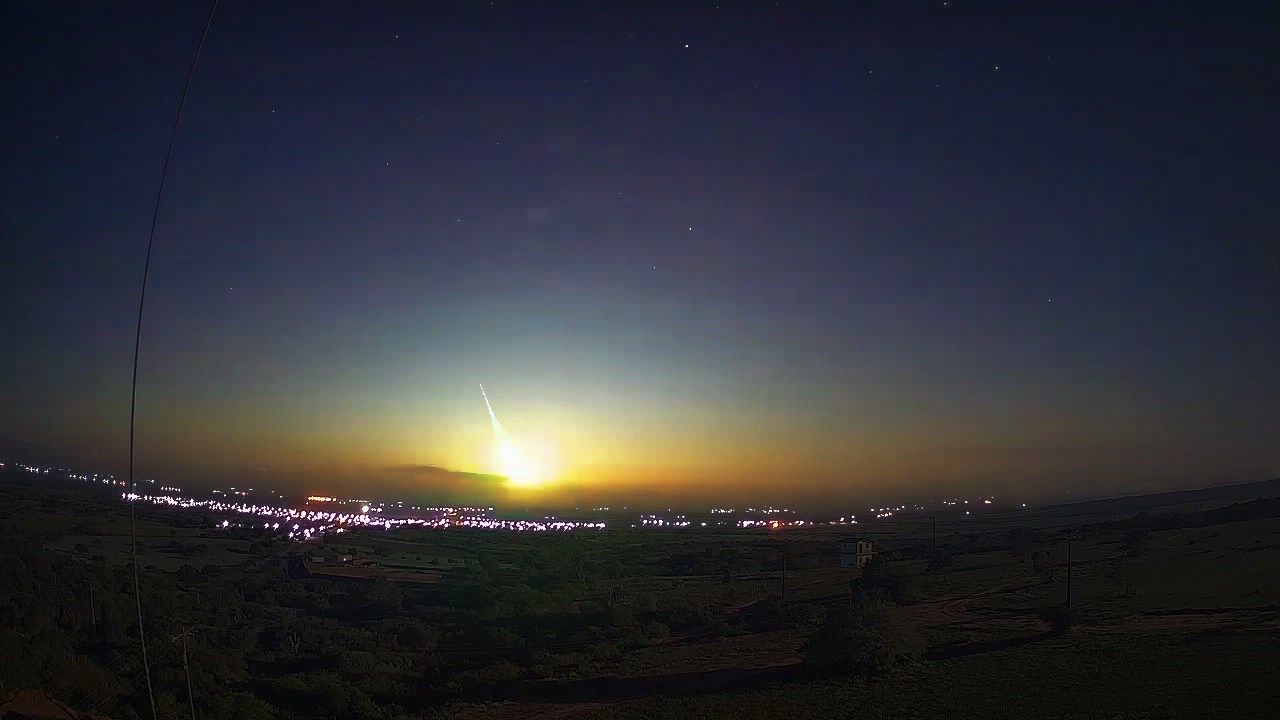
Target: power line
x: 137, y: 345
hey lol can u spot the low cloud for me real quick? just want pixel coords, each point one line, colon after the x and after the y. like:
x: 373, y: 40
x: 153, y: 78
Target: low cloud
x: 440, y: 483
x: 437, y: 471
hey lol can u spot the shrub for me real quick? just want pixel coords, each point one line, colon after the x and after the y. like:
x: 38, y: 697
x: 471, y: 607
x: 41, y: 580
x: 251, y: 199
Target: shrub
x: 501, y: 672
x: 939, y: 561
x: 803, y: 614
x: 871, y: 637
x: 604, y: 651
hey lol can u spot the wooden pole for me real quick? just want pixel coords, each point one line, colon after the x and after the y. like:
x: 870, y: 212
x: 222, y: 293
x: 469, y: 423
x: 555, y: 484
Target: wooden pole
x: 186, y: 668
x: 784, y: 571
x: 1068, y: 577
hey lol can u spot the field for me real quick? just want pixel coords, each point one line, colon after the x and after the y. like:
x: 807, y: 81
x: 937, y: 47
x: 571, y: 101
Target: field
x: 1190, y: 627
x: 1176, y: 614
x: 94, y: 525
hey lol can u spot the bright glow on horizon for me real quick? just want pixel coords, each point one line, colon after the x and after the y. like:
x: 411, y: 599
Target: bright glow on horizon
x: 523, y: 470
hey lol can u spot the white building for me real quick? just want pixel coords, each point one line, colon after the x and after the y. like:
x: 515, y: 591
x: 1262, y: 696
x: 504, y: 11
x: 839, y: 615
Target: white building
x: 855, y: 552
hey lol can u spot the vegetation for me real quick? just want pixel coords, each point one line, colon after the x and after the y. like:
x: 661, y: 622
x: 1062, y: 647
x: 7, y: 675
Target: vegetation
x: 868, y: 636
x: 623, y: 618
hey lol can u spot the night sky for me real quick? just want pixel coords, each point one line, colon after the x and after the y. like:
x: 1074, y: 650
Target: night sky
x: 730, y: 252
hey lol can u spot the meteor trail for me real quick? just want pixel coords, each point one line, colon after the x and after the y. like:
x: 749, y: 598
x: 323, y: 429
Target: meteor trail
x: 513, y: 463
x: 486, y: 404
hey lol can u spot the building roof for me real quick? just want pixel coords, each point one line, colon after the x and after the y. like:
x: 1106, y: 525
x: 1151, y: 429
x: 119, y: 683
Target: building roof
x: 855, y: 539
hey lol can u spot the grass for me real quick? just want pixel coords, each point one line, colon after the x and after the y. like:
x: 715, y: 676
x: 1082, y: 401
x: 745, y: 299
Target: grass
x: 59, y: 513
x: 1108, y: 667
x: 742, y: 651
x: 1230, y: 565
x: 1149, y: 644
x: 1089, y: 674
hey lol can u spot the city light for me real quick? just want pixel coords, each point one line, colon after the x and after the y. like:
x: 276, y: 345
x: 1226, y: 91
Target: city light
x: 337, y: 515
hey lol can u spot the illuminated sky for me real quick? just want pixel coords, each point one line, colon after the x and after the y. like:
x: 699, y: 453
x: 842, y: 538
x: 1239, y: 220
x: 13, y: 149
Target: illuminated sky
x: 735, y: 251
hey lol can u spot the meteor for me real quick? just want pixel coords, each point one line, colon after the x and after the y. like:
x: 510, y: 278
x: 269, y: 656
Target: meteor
x: 512, y: 461
x: 486, y: 403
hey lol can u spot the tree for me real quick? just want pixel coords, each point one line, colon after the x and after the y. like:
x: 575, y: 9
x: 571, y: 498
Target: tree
x: 870, y: 637
x: 880, y: 580
x: 417, y: 635
x: 939, y: 561
x: 1042, y: 564
x: 1022, y: 540
x: 382, y: 597
x: 233, y: 705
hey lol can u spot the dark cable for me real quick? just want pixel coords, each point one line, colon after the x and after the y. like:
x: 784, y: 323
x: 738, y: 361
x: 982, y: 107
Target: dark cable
x: 137, y: 345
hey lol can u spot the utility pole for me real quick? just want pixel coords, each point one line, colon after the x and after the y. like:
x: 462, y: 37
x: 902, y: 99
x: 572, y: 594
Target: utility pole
x: 1068, y: 576
x: 934, y: 549
x: 93, y: 606
x: 784, y: 569
x: 186, y: 668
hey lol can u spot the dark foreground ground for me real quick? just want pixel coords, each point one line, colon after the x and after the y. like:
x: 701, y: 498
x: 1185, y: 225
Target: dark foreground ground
x: 1183, y: 623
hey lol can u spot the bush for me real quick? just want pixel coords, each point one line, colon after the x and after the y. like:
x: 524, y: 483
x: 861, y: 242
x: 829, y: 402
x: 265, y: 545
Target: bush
x: 657, y: 630
x: 879, y: 580
x: 1022, y: 540
x: 604, y: 651
x: 865, y: 638
x: 939, y: 561
x: 1042, y: 564
x: 803, y: 614
x: 232, y: 705
x: 501, y: 672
